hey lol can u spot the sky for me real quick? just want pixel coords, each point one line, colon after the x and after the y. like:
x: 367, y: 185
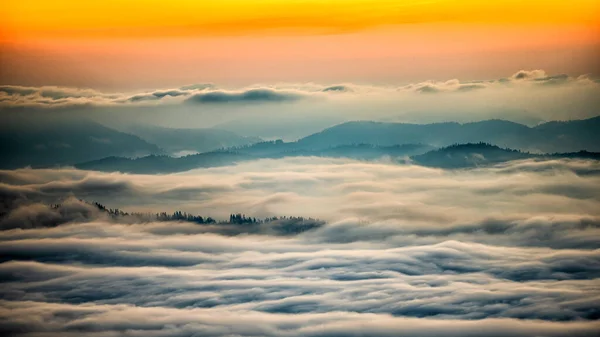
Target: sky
x: 118, y: 45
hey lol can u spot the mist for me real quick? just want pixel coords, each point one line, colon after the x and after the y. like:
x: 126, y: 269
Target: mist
x: 291, y: 111
x: 511, y: 249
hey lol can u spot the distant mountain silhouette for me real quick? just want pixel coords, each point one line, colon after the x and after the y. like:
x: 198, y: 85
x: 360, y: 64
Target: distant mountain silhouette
x: 548, y: 137
x: 482, y: 154
x: 49, y: 142
x: 174, y: 140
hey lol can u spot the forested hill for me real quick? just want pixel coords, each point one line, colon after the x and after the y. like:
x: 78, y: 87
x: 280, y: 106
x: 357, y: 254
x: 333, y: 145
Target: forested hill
x: 164, y: 164
x: 74, y: 210
x: 483, y: 154
x: 469, y: 155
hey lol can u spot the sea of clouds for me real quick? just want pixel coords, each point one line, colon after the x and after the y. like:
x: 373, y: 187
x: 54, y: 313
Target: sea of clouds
x: 509, y: 250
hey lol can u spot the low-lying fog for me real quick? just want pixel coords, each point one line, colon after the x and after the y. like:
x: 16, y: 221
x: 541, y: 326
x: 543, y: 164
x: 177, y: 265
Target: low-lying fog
x: 509, y: 250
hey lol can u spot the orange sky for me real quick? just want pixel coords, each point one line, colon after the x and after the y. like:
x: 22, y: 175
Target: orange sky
x: 30, y: 19
x: 97, y: 42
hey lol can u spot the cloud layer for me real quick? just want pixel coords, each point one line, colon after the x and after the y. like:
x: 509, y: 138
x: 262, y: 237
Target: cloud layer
x: 293, y: 110
x: 56, y: 97
x: 511, y: 250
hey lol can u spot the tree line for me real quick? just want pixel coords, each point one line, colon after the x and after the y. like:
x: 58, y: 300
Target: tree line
x: 234, y: 218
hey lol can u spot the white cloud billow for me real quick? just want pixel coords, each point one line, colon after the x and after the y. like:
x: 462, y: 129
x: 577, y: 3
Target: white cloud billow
x: 510, y: 250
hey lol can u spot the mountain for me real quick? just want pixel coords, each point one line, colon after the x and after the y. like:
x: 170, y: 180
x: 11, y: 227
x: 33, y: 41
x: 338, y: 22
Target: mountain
x: 271, y: 150
x: 549, y: 137
x: 175, y: 141
x: 237, y: 224
x: 163, y: 164
x: 482, y: 154
x: 451, y: 157
x: 469, y: 155
x: 571, y: 135
x: 279, y: 149
x: 289, y: 127
x: 370, y: 152
x: 49, y: 142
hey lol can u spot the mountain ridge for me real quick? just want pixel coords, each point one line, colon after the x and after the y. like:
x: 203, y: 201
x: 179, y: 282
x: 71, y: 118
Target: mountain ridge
x: 50, y: 142
x: 457, y: 156
x: 555, y: 136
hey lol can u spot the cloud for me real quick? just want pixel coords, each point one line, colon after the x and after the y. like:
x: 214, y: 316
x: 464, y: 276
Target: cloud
x: 61, y: 97
x: 157, y: 95
x: 73, y: 320
x: 198, y: 86
x: 452, y: 86
x: 530, y: 98
x: 554, y: 80
x: 248, y: 96
x: 335, y: 189
x: 509, y: 250
x: 17, y: 90
x: 432, y: 87
x: 339, y: 88
x: 529, y: 74
x: 58, y: 97
x: 41, y: 215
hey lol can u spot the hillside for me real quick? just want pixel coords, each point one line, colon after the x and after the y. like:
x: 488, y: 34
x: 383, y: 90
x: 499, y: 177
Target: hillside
x: 163, y: 164
x: 546, y: 138
x: 49, y: 142
x: 263, y: 150
x: 278, y: 149
x: 482, y: 154
x: 455, y: 156
x: 469, y: 155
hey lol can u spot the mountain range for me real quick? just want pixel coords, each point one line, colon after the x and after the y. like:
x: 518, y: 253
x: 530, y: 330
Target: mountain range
x: 91, y: 145
x: 567, y: 136
x: 272, y: 150
x: 451, y: 157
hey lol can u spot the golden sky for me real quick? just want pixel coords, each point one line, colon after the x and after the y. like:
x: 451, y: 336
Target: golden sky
x: 30, y: 19
x: 119, y: 42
